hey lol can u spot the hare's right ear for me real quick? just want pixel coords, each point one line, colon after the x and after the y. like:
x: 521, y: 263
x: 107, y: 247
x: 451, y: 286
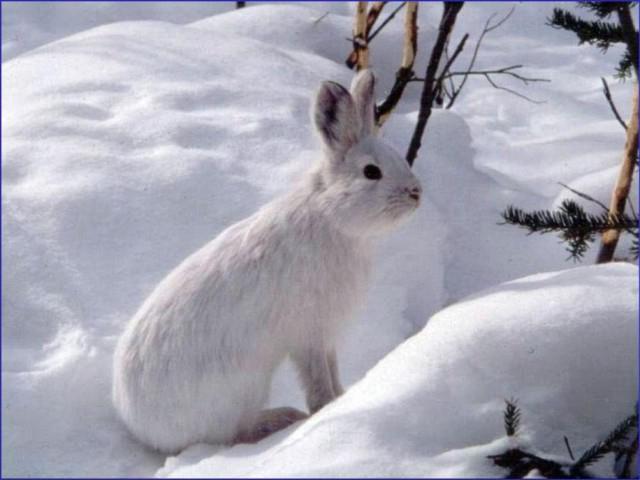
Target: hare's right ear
x: 336, y: 118
x: 362, y: 92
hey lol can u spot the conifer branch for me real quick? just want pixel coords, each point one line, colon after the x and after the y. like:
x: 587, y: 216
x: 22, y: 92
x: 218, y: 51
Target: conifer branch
x: 597, y: 32
x: 600, y: 449
x: 576, y: 227
x: 511, y: 417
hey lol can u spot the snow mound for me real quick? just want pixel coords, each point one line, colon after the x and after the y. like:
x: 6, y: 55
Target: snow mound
x: 563, y: 343
x: 126, y: 148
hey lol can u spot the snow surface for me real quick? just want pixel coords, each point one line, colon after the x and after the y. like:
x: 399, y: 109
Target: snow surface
x: 433, y: 406
x: 128, y: 146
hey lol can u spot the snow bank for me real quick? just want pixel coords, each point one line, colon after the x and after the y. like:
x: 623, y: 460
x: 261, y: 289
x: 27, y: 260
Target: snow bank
x: 127, y: 147
x: 564, y: 343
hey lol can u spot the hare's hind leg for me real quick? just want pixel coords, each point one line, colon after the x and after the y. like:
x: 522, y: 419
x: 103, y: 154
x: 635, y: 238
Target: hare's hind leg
x: 332, y: 361
x: 268, y: 422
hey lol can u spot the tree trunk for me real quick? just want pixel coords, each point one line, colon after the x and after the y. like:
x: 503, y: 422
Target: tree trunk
x: 451, y: 10
x: 623, y: 184
x: 360, y: 44
x: 405, y: 72
x: 630, y: 34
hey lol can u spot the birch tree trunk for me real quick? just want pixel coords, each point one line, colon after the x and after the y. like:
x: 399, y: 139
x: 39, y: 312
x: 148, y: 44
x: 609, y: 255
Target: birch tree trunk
x: 405, y: 72
x: 623, y: 184
x: 360, y: 44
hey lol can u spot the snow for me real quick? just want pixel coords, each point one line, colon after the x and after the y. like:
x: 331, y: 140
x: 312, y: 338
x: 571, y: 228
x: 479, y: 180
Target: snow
x: 129, y: 145
x: 538, y: 339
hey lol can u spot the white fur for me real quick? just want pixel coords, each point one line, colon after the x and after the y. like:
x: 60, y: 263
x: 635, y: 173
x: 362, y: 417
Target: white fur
x: 195, y: 363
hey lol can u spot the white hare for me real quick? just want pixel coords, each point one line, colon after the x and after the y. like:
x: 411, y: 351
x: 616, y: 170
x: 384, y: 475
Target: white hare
x: 196, y: 361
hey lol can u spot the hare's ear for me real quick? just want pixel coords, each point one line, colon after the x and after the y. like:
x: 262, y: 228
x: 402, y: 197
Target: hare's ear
x: 362, y: 91
x: 335, y: 117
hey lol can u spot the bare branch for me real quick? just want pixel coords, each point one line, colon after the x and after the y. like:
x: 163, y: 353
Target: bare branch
x: 447, y: 66
x: 499, y: 23
x: 607, y: 94
x: 487, y: 75
x: 488, y: 27
x: 511, y: 91
x: 386, y: 20
x: 319, y: 19
x: 449, y: 15
x: 585, y: 196
x: 566, y: 442
x: 501, y: 71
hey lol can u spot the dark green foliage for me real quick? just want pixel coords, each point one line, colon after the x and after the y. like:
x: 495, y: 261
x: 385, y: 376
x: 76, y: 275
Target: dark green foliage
x: 604, y: 32
x: 603, y: 9
x: 594, y: 32
x: 576, y: 227
x: 511, y: 417
x: 610, y: 444
x: 520, y: 463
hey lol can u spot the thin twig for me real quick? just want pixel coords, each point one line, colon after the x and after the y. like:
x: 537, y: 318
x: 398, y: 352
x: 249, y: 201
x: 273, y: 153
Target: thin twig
x: 501, y: 21
x: 456, y: 52
x: 487, y: 28
x: 447, y: 66
x: 632, y: 208
x: 319, y: 19
x: 498, y: 71
x: 600, y: 204
x: 566, y: 442
x: 501, y: 71
x: 607, y: 94
x: 513, y: 92
x: 452, y: 84
x: 386, y: 20
x: 585, y: 196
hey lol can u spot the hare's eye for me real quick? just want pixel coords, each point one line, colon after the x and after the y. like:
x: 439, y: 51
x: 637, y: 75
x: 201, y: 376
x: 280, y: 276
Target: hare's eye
x: 372, y: 172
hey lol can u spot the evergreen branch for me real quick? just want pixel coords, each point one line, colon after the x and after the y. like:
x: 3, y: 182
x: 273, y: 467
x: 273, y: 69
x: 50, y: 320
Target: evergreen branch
x: 599, y: 33
x: 521, y: 463
x: 628, y: 456
x: 600, y: 449
x: 511, y: 417
x: 624, y: 67
x: 602, y: 9
x: 576, y: 227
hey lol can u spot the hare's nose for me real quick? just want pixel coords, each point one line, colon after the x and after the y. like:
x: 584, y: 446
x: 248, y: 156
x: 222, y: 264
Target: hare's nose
x: 414, y: 192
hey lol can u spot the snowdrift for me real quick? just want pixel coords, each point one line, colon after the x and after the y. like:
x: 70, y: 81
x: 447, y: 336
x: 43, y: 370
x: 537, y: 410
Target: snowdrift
x: 128, y: 146
x: 564, y: 343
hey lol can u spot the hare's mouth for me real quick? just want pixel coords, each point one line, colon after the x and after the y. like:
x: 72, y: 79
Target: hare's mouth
x: 399, y: 206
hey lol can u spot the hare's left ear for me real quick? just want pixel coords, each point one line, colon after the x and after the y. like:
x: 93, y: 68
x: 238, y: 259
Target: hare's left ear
x: 362, y: 91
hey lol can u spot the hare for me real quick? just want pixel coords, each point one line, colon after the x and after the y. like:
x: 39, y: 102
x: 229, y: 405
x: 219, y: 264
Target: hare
x: 196, y: 361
